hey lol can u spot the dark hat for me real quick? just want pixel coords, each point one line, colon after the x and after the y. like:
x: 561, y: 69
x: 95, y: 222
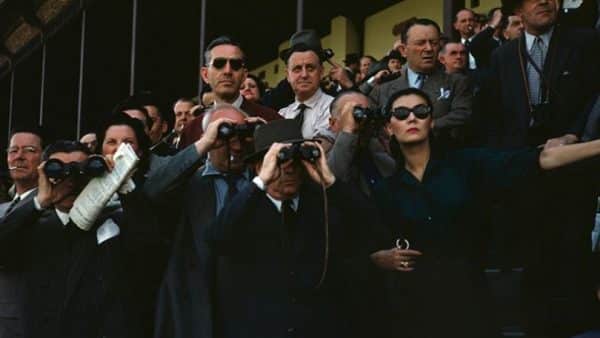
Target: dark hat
x: 509, y: 6
x: 303, y: 41
x: 282, y: 131
x: 352, y: 58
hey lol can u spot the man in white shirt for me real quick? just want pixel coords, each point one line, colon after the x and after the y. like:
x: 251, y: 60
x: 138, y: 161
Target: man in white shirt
x: 23, y: 156
x: 304, y: 67
x: 464, y: 24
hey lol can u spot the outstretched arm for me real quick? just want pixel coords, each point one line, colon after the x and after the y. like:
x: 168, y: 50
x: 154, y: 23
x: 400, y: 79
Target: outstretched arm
x: 555, y: 157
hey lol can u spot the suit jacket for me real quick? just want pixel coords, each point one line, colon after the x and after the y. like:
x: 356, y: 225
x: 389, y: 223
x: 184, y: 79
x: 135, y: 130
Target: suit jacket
x: 572, y: 72
x: 185, y: 298
x: 451, y: 95
x: 482, y: 46
x: 193, y: 130
x: 344, y: 162
x: 267, y: 275
x: 73, y: 286
x: 11, y: 290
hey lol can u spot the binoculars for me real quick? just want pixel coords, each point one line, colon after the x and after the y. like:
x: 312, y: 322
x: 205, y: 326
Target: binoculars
x: 298, y: 151
x: 94, y: 166
x: 363, y: 114
x: 229, y: 130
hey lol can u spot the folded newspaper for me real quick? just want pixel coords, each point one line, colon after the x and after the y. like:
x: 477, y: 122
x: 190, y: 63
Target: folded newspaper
x: 97, y: 193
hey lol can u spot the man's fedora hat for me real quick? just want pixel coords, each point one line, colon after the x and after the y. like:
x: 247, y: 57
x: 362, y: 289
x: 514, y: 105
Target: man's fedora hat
x: 303, y: 41
x: 281, y: 131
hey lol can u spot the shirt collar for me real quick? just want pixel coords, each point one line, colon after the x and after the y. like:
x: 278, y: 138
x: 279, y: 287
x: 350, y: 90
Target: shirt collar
x: 23, y: 195
x: 278, y: 203
x: 545, y: 38
x: 236, y: 103
x: 412, y: 76
x: 312, y: 101
x: 63, y: 216
x: 210, y: 170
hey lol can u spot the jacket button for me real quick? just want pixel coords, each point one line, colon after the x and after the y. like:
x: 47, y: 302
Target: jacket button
x: 291, y: 330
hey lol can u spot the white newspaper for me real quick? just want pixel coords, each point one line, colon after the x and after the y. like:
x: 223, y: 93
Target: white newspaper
x: 97, y: 193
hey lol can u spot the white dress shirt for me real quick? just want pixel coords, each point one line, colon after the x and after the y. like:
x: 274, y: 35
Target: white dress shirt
x: 472, y: 63
x: 316, y: 115
x: 106, y: 231
x: 277, y: 203
x: 529, y: 38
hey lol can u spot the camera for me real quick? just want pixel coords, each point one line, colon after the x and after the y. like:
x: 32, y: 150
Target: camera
x: 298, y: 151
x: 361, y: 114
x: 229, y: 130
x: 94, y: 166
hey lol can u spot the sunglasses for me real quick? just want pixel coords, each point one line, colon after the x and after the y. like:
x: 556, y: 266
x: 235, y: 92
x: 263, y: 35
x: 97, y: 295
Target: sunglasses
x: 235, y: 64
x: 420, y: 111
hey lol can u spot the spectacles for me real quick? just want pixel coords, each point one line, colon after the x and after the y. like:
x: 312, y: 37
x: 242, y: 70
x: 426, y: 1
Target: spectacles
x: 420, y: 111
x: 235, y: 64
x: 25, y: 149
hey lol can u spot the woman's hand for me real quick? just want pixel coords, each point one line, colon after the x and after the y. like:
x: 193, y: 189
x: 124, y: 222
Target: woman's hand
x: 396, y: 259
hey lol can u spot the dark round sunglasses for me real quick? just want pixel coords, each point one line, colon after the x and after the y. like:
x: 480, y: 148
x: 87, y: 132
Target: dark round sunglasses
x: 235, y: 64
x: 421, y: 112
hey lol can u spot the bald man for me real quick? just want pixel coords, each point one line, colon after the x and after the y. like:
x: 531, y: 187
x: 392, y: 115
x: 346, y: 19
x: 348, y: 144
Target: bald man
x: 200, y: 191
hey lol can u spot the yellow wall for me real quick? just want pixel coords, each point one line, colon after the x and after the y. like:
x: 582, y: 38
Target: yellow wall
x: 378, y: 38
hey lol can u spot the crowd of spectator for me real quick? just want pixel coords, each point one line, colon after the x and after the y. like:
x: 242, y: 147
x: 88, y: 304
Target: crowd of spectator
x: 363, y: 201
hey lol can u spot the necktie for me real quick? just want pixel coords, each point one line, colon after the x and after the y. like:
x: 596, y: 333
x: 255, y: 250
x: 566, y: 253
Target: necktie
x: 232, y: 189
x: 289, y: 220
x: 420, y: 81
x: 300, y: 117
x: 537, y: 54
x: 12, y: 205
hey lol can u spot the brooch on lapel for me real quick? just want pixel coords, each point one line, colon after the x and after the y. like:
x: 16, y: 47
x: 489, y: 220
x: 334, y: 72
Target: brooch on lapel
x: 444, y: 93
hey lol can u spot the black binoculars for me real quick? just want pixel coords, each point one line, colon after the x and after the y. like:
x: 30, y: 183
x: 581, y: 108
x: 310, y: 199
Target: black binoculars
x: 229, y: 130
x: 94, y: 166
x: 361, y: 114
x: 298, y: 151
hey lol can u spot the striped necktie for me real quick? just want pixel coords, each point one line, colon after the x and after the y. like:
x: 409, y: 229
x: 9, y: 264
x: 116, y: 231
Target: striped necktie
x: 537, y: 54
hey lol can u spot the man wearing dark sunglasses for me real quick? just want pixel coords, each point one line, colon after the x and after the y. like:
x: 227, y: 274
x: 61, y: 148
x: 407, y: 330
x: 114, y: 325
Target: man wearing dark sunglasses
x: 225, y: 70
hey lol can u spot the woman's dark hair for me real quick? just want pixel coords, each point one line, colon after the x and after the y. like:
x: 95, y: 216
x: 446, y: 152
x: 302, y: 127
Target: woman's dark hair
x: 122, y: 119
x: 259, y: 84
x: 387, y: 108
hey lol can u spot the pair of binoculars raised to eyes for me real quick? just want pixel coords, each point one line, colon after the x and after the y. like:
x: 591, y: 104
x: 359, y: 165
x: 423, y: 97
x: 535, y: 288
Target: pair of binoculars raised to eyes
x: 94, y: 166
x: 229, y: 130
x: 299, y: 151
x: 366, y: 114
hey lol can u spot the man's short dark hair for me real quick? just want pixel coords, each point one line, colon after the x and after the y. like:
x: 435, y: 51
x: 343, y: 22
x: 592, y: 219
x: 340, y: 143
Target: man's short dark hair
x: 418, y: 21
x: 133, y: 103
x: 64, y: 146
x: 35, y: 130
x: 221, y: 40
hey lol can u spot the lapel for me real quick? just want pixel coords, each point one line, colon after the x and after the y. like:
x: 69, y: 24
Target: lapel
x: 20, y: 203
x: 83, y: 250
x: 396, y: 85
x: 558, y: 54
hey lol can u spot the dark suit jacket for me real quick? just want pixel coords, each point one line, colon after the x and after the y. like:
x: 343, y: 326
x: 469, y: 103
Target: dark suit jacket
x: 268, y: 275
x: 193, y: 130
x: 184, y: 307
x: 572, y: 70
x: 450, y: 111
x: 11, y: 297
x: 73, y: 286
x: 482, y: 46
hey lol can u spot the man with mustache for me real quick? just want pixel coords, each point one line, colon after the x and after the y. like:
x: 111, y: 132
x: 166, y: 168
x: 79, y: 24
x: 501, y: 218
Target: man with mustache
x: 225, y: 70
x: 540, y: 85
x: 23, y: 156
x: 451, y: 93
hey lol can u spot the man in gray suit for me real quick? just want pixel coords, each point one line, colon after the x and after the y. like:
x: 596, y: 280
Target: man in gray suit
x: 23, y: 157
x: 359, y: 154
x: 185, y: 299
x: 451, y: 93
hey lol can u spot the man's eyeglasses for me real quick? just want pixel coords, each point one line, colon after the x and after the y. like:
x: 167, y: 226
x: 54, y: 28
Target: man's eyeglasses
x: 235, y: 64
x: 25, y: 149
x: 421, y: 112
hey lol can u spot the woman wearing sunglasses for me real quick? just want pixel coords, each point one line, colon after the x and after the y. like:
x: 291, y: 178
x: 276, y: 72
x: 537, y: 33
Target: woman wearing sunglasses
x: 433, y: 209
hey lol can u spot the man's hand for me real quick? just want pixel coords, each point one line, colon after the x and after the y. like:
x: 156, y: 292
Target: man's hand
x: 209, y: 139
x: 48, y: 194
x: 269, y: 171
x: 396, y: 259
x: 339, y: 75
x: 379, y: 75
x: 561, y: 141
x: 321, y: 166
x: 496, y: 18
x: 347, y: 122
